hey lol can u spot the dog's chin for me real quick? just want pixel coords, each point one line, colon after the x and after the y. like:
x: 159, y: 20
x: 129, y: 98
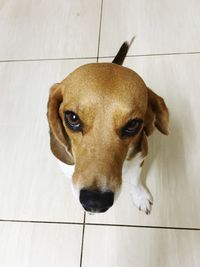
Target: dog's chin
x: 92, y: 212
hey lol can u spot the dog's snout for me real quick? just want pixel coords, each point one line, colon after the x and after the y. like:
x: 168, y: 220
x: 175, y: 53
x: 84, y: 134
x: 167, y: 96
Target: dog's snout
x: 95, y: 200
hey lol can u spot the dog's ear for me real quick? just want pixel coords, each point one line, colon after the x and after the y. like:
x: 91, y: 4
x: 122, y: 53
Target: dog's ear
x: 59, y: 140
x: 157, y: 114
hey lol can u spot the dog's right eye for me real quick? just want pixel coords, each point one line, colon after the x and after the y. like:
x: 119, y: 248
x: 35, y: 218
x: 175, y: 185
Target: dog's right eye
x: 73, y: 121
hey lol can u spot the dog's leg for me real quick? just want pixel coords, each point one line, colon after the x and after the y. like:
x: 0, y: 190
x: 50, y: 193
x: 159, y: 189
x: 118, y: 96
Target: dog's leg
x: 142, y: 198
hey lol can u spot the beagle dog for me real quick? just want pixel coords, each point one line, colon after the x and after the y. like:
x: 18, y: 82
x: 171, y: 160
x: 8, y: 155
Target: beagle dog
x: 99, y: 117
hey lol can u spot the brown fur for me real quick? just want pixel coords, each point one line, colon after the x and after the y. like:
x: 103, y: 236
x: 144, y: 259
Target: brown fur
x: 105, y: 96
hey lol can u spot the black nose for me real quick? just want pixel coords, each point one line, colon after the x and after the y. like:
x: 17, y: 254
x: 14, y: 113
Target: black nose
x: 96, y: 201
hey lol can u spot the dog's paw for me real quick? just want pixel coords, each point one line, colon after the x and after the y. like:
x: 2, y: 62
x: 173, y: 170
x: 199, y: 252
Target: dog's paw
x: 142, y: 198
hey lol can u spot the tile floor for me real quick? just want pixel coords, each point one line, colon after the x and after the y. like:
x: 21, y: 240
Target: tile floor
x: 40, y: 222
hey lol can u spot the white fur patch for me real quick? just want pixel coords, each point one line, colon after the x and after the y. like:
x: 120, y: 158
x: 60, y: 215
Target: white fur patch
x: 68, y: 170
x: 131, y: 168
x: 132, y: 171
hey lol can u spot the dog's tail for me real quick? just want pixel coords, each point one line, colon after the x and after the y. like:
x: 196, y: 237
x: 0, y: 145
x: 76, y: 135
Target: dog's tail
x: 119, y: 58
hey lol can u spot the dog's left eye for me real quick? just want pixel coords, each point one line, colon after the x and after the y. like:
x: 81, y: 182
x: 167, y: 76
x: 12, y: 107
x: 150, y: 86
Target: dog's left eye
x: 131, y: 128
x: 72, y: 120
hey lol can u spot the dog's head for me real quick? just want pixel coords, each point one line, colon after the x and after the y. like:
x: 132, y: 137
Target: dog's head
x: 96, y: 115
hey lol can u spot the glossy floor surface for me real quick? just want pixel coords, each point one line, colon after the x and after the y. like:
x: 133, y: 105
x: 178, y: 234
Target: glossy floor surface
x: 41, y: 224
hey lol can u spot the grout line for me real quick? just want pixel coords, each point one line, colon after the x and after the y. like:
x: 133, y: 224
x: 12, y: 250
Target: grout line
x: 99, y: 37
x: 97, y: 57
x: 84, y: 223
x: 39, y: 222
x: 145, y: 226
x: 157, y: 54
x: 82, y: 242
x: 44, y: 59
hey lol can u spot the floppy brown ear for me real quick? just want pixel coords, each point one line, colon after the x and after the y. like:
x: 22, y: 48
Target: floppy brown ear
x: 59, y: 140
x: 157, y: 114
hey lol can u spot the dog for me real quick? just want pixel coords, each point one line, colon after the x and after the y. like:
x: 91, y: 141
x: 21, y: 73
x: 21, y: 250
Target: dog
x: 99, y: 117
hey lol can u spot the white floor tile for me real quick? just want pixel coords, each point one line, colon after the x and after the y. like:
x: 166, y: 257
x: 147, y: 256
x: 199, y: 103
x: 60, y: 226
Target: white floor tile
x: 172, y: 166
x: 32, y: 186
x: 121, y: 246
x: 31, y: 245
x: 160, y: 26
x: 49, y: 29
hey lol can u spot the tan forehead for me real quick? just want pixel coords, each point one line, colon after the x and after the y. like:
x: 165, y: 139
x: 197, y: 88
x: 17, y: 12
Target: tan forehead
x: 105, y: 84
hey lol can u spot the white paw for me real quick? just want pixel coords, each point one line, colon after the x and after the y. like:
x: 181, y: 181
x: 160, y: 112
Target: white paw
x: 142, y: 198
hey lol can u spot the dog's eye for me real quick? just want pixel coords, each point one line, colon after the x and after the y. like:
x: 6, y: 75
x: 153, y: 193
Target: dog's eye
x: 131, y: 128
x: 72, y: 120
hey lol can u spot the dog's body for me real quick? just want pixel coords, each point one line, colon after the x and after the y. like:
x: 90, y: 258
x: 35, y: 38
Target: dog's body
x: 99, y: 118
